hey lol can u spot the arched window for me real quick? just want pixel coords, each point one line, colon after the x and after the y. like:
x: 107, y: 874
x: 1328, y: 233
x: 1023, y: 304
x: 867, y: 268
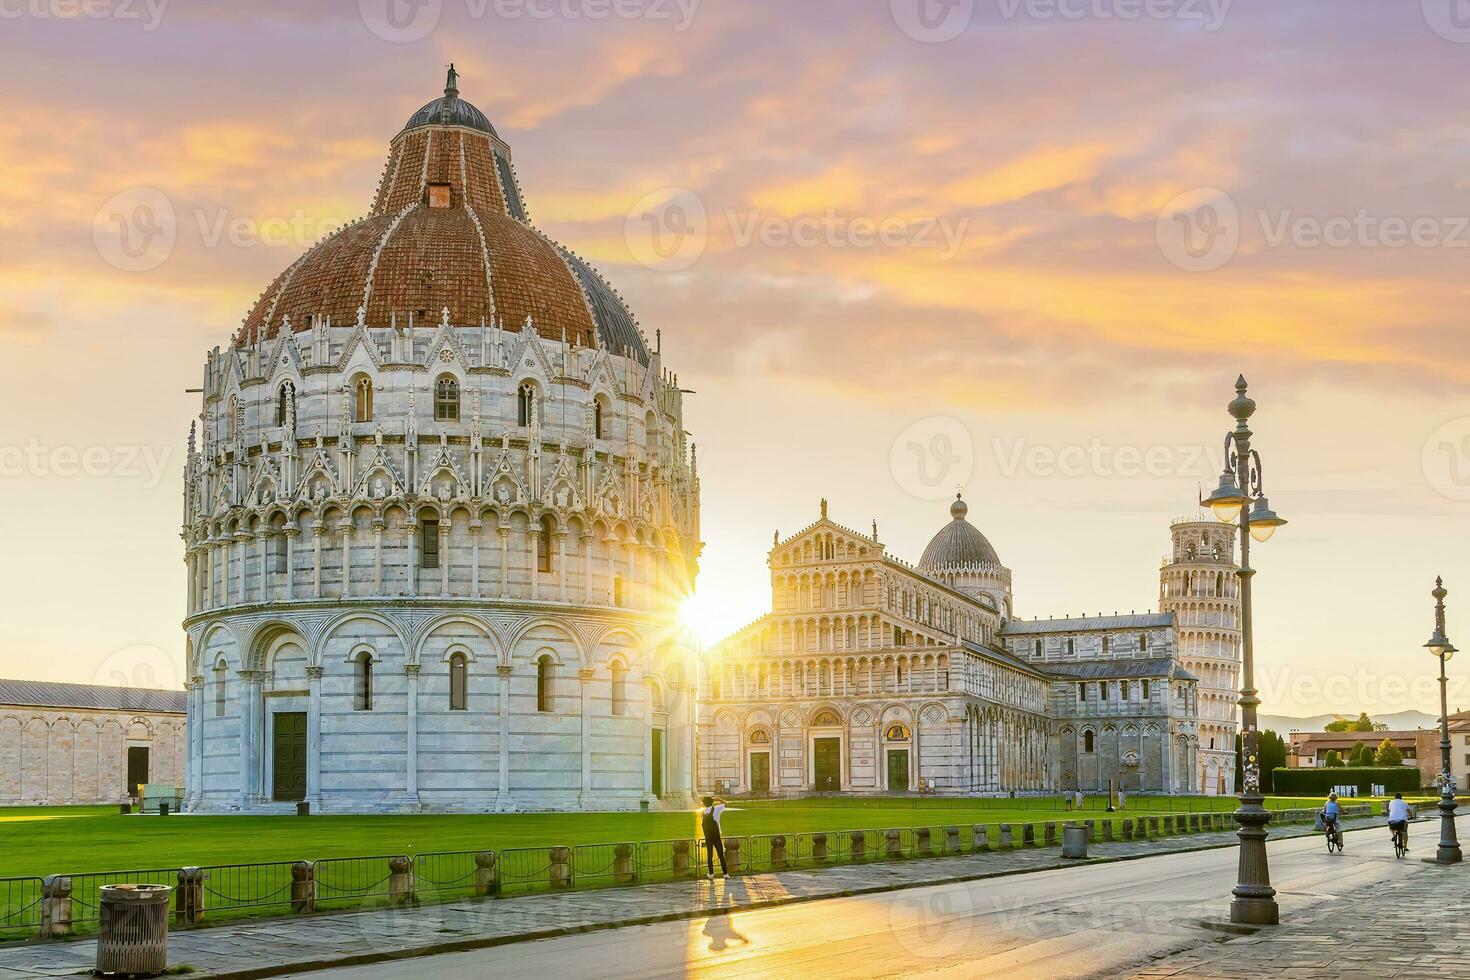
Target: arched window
x: 429, y: 543
x: 1071, y: 646
x: 1102, y: 690
x: 1038, y: 649
x: 596, y: 419
x: 1145, y: 690
x: 543, y: 683
x: 220, y: 672
x: 283, y: 403
x: 1123, y: 690
x: 232, y: 424
x: 650, y: 433
x: 1087, y: 741
x: 1081, y: 691
x: 446, y: 400
x: 363, y: 696
x: 897, y: 732
x: 459, y: 671
x: 543, y: 545
x: 1143, y: 642
x: 525, y: 405
x: 362, y: 400
x: 619, y: 689
x: 1105, y: 644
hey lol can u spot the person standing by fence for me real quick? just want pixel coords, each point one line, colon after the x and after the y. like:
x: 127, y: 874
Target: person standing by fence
x: 714, y: 842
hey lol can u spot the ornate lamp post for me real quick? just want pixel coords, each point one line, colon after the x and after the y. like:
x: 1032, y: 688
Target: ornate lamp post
x: 1441, y: 647
x: 1241, y: 497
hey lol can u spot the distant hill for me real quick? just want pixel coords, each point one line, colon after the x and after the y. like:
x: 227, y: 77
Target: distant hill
x: 1399, y: 721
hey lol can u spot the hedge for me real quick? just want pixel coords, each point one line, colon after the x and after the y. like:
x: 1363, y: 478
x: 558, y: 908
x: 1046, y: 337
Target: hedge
x: 1311, y: 782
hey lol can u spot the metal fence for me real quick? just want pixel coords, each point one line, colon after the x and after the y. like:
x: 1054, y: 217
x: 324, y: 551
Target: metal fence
x: 86, y: 889
x: 20, y: 907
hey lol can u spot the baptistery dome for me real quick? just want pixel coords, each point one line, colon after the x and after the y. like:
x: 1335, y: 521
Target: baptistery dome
x: 440, y: 512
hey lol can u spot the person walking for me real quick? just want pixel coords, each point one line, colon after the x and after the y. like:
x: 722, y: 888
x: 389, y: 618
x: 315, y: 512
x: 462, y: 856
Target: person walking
x: 1122, y: 800
x: 714, y: 843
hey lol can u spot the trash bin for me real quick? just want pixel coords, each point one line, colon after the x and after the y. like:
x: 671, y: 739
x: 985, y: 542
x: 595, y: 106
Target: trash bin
x: 1074, y: 842
x: 303, y: 809
x: 132, y: 934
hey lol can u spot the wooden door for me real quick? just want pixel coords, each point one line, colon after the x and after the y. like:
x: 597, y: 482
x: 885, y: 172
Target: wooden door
x: 826, y: 764
x: 288, y: 737
x: 760, y: 772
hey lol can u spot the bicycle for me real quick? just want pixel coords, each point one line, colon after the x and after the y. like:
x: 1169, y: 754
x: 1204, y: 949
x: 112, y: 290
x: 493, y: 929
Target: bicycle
x: 1334, y: 838
x: 1400, y: 842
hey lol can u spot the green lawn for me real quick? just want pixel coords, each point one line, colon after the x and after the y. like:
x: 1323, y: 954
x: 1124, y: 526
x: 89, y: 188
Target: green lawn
x: 50, y: 840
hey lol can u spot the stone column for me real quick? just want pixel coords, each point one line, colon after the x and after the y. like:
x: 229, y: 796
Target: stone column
x: 242, y: 538
x: 345, y: 526
x: 587, y: 567
x: 317, y: 530
x: 378, y: 528
x: 504, y: 531
x: 647, y: 738
x: 314, y: 736
x: 504, y: 671
x: 444, y: 557
x: 475, y: 526
x: 411, y: 794
x: 561, y: 565
x: 248, y: 737
x: 533, y: 539
x: 262, y: 541
x: 292, y: 533
x: 587, y: 674
x: 412, y: 568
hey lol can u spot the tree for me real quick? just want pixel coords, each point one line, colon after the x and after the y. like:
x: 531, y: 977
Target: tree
x: 1361, y: 724
x: 1389, y: 754
x: 1333, y: 760
x: 1361, y: 755
x: 1272, y: 749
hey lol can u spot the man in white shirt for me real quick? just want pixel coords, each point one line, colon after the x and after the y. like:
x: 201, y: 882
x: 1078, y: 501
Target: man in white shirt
x: 714, y: 843
x: 1398, y: 816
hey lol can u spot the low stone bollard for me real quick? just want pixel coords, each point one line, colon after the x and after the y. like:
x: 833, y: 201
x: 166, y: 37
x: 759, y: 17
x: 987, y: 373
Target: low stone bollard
x: 819, y: 848
x: 1193, y: 823
x: 922, y: 845
x: 1107, y: 829
x: 487, y: 872
x: 559, y: 869
x: 623, y: 864
x: 1127, y: 828
x: 778, y: 852
x: 1028, y: 835
x: 189, y: 896
x: 1004, y: 840
x: 1074, y: 841
x: 1091, y: 830
x: 951, y: 840
x: 892, y: 844
x: 979, y: 838
x: 1153, y: 826
x: 303, y: 888
x: 400, y: 881
x: 55, y: 906
x: 732, y: 855
x: 1051, y: 834
x: 858, y: 845
x: 681, y: 858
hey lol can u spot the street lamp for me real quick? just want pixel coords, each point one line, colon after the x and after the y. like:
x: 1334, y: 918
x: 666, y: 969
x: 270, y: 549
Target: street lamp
x: 1441, y: 647
x: 1241, y: 497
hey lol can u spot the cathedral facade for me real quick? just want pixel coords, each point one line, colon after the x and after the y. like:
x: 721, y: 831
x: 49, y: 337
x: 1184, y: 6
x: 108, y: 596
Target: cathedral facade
x: 440, y: 518
x: 871, y: 675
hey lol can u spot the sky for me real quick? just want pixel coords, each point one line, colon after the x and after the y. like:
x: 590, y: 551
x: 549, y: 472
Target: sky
x: 896, y: 247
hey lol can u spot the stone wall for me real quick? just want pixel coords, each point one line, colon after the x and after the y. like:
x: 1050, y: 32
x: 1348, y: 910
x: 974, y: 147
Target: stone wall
x: 61, y: 756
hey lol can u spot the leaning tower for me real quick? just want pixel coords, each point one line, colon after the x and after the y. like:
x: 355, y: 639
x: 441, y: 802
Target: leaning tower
x: 1198, y: 584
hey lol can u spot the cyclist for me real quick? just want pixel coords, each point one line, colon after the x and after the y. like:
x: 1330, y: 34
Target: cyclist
x: 1398, y: 817
x: 1332, y: 815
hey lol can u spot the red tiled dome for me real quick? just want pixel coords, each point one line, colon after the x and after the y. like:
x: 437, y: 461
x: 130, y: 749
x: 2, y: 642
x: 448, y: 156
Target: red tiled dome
x: 447, y: 229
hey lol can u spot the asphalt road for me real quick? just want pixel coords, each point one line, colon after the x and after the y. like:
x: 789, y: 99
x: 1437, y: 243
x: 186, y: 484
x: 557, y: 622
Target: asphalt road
x: 1100, y: 920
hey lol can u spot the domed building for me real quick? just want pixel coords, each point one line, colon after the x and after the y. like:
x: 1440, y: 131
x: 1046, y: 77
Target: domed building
x: 439, y: 518
x: 873, y: 676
